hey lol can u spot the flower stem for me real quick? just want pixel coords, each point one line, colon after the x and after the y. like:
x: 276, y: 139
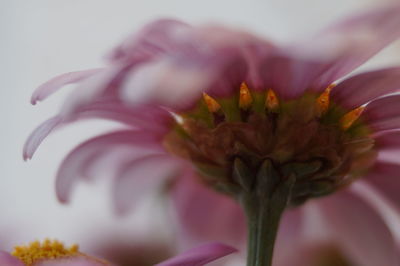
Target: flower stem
x: 264, y: 207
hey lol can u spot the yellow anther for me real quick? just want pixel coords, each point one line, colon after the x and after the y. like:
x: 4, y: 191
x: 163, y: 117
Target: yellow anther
x: 48, y: 249
x: 212, y: 105
x: 245, y: 98
x: 322, y: 102
x: 348, y: 119
x: 271, y: 101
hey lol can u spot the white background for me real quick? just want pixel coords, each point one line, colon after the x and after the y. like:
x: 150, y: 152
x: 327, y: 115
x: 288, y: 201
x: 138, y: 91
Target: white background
x: 43, y: 38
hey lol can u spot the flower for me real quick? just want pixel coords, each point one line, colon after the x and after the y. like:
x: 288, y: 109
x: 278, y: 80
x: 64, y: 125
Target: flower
x: 55, y: 254
x: 210, y: 106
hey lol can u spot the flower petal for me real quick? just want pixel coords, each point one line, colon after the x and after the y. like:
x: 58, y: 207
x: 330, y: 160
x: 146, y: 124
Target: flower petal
x: 7, y: 260
x: 86, y: 154
x: 359, y: 229
x: 73, y: 261
x: 38, y: 135
x: 383, y: 113
x: 200, y: 255
x: 195, y: 203
x: 51, y: 86
x: 331, y: 54
x: 140, y: 176
x: 385, y: 178
x: 388, y: 140
x: 362, y: 88
x: 353, y: 41
x: 155, y: 38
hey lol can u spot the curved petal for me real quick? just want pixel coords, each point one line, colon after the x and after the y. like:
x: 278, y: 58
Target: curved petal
x: 385, y: 177
x: 154, y: 39
x: 359, y: 228
x: 362, y: 88
x: 195, y: 203
x: 153, y: 119
x: 388, y: 140
x: 331, y: 54
x: 140, y: 176
x: 7, y: 260
x: 384, y: 113
x: 86, y: 154
x: 51, y: 86
x: 200, y: 255
x: 38, y: 135
x: 351, y: 42
x: 73, y: 261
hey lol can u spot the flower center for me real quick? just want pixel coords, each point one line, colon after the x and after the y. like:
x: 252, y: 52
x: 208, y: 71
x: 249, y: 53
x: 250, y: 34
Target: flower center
x: 48, y: 249
x: 323, y: 145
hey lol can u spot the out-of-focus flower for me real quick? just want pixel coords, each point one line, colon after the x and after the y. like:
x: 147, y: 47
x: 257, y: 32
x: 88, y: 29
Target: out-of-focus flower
x: 215, y: 106
x: 53, y: 253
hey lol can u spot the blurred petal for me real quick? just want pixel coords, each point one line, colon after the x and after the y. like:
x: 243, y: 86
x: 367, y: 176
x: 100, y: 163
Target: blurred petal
x: 359, y: 229
x: 385, y: 177
x: 38, y: 135
x: 362, y: 88
x: 388, y: 140
x: 73, y: 261
x: 71, y: 169
x: 155, y: 38
x: 195, y: 203
x: 353, y: 41
x: 140, y: 176
x: 384, y: 113
x: 200, y: 255
x: 51, y: 86
x: 7, y: 260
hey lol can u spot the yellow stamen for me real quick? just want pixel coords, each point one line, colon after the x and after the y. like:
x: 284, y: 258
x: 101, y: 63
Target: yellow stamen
x: 271, y: 101
x: 322, y: 102
x: 48, y: 249
x: 212, y: 105
x: 245, y: 98
x: 348, y: 119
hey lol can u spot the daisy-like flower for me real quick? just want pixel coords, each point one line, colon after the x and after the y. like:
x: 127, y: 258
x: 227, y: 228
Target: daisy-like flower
x: 225, y: 114
x: 54, y: 253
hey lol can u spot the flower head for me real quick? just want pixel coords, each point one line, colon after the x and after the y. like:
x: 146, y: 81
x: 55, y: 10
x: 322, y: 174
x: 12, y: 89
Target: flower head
x: 226, y: 108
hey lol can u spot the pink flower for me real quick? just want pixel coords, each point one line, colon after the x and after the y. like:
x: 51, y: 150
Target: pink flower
x: 263, y: 103
x: 54, y: 254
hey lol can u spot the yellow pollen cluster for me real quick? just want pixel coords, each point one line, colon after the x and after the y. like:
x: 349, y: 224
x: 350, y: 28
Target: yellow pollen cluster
x: 48, y: 249
x: 212, y: 104
x: 271, y: 101
x: 322, y: 102
x: 245, y: 98
x: 349, y: 118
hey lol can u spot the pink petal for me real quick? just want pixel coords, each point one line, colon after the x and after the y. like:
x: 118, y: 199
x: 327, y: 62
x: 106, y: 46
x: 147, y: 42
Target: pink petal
x: 73, y: 261
x: 360, y: 230
x: 388, y: 140
x: 141, y: 176
x: 362, y: 88
x: 154, y: 39
x: 38, y: 135
x: 200, y: 255
x: 7, y: 260
x: 383, y: 113
x: 86, y: 154
x: 205, y: 214
x: 153, y: 119
x: 386, y: 179
x: 51, y: 86
x: 353, y: 41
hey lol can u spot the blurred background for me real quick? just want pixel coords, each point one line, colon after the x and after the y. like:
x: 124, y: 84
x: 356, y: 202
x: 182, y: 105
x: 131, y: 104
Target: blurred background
x: 44, y: 38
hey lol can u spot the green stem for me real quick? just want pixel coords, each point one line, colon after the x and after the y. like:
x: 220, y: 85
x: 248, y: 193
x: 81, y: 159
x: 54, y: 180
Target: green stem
x: 263, y: 216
